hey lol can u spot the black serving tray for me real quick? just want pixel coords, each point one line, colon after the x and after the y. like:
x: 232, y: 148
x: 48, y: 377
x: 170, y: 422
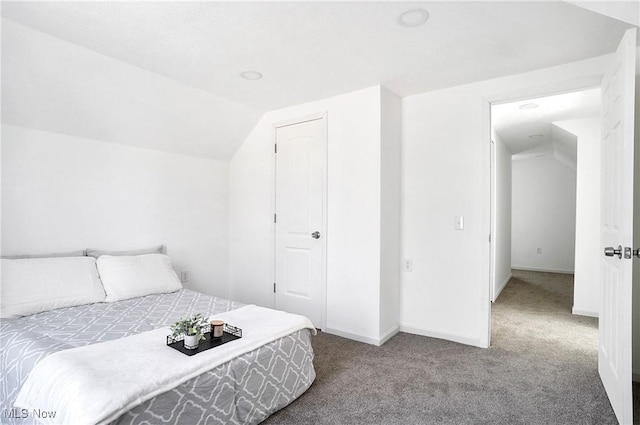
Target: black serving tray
x: 231, y: 333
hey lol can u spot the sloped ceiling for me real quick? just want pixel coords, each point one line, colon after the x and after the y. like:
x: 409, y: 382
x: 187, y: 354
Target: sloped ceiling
x: 53, y: 85
x: 527, y: 127
x: 166, y: 74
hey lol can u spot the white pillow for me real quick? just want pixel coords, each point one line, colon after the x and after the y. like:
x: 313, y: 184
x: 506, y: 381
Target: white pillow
x: 125, y: 277
x: 32, y: 285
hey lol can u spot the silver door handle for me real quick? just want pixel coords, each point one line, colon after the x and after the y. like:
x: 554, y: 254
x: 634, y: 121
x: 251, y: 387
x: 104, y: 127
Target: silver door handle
x: 315, y: 235
x: 611, y: 251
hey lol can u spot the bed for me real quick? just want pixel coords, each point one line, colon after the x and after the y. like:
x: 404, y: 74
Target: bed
x: 244, y: 390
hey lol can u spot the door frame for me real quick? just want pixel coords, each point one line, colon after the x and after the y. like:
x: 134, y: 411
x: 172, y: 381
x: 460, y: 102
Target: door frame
x: 323, y: 115
x: 507, y: 96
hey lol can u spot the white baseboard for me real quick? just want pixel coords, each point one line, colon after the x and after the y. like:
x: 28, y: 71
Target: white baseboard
x: 365, y: 339
x: 501, y: 287
x: 537, y: 269
x: 462, y: 339
x: 389, y: 334
x: 579, y: 312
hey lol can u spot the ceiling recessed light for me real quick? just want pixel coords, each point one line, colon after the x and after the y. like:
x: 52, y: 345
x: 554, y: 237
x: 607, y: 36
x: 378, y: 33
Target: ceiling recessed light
x: 536, y: 136
x: 251, y: 75
x: 528, y: 106
x: 413, y: 18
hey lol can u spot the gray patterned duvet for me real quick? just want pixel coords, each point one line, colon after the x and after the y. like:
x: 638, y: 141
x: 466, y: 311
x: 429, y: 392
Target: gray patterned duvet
x: 245, y: 390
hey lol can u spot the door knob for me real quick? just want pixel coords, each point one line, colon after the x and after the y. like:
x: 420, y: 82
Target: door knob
x: 611, y: 251
x: 636, y: 252
x: 315, y: 235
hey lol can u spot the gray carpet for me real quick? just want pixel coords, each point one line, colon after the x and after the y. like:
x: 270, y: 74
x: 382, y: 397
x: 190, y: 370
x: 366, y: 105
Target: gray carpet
x: 541, y: 369
x: 636, y: 402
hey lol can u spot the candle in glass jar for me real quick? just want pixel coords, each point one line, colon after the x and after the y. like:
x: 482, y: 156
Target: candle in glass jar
x: 217, y: 328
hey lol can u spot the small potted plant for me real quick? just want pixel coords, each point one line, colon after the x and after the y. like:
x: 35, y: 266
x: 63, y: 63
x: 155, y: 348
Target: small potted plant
x: 191, y: 328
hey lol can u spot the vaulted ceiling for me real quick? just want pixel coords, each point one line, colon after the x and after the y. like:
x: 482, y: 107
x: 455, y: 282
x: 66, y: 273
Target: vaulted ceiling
x: 528, y: 127
x: 166, y: 75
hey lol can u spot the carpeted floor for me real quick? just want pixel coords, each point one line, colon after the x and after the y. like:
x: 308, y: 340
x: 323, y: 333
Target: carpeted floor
x: 541, y: 369
x: 636, y: 402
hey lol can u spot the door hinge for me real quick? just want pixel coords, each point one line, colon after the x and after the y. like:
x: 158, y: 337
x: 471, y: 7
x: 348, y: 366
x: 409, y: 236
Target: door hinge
x: 275, y: 148
x: 274, y: 287
x: 274, y: 217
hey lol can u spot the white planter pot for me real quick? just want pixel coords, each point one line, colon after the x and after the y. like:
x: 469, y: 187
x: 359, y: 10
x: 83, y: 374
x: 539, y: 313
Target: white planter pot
x: 191, y: 342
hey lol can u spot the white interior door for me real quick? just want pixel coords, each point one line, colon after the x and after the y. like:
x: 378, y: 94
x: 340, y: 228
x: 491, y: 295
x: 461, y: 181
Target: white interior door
x: 614, y: 357
x: 300, y: 231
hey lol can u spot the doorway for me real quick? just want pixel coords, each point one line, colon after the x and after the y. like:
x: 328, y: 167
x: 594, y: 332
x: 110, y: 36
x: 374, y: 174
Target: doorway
x: 545, y: 194
x: 545, y: 213
x: 617, y: 167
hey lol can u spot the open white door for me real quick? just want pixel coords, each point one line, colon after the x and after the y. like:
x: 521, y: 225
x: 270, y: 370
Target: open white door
x: 614, y: 357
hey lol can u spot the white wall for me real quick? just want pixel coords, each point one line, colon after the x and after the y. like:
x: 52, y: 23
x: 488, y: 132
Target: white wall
x: 63, y: 193
x: 445, y: 172
x: 501, y: 234
x: 442, y: 177
x: 390, y: 214
x: 586, y: 295
x: 354, y: 222
x: 543, y: 215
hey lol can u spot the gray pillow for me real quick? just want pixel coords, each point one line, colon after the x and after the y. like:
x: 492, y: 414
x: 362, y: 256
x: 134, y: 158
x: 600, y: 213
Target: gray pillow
x: 52, y: 255
x: 160, y: 249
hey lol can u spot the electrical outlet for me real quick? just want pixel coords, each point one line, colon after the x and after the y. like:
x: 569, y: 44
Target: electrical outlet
x: 539, y: 251
x: 458, y: 222
x: 184, y: 276
x: 407, y: 265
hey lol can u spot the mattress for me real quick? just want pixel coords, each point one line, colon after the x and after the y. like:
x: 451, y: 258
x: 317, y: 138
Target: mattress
x: 245, y: 390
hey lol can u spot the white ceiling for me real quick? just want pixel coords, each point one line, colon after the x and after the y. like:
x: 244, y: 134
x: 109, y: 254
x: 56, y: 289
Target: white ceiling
x: 516, y: 125
x: 311, y: 50
x: 626, y: 11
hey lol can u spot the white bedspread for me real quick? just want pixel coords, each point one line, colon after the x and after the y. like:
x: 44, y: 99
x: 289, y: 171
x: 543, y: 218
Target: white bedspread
x: 97, y: 383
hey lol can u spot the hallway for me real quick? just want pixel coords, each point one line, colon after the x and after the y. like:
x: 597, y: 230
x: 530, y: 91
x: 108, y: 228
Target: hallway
x: 532, y: 320
x: 536, y: 307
